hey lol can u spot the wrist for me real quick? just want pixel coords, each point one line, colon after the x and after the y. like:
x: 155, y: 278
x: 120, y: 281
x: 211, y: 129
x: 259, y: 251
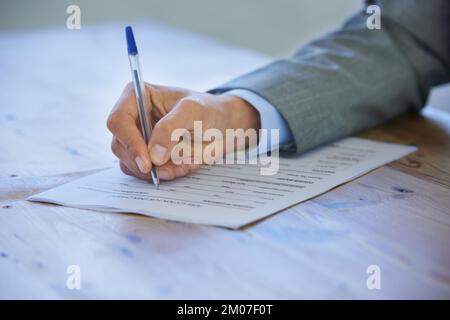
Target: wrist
x: 242, y: 114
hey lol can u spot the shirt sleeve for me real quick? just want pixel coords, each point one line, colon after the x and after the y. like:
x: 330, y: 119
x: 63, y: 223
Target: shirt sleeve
x: 269, y: 116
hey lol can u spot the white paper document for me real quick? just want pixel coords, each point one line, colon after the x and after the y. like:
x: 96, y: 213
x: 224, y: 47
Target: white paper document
x: 229, y: 195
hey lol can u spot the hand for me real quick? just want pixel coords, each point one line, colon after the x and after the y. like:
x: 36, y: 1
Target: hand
x: 171, y: 108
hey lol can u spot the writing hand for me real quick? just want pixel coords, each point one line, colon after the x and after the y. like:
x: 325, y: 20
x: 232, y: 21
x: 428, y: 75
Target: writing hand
x: 171, y: 109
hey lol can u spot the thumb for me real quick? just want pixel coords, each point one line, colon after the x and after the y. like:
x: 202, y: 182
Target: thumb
x: 169, y: 129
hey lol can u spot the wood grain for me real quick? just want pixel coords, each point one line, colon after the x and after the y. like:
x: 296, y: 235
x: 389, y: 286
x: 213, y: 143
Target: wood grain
x: 396, y: 217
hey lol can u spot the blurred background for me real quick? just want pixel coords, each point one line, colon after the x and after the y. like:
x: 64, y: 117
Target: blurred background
x: 274, y: 28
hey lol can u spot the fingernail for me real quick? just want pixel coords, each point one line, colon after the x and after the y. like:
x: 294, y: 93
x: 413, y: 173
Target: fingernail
x: 158, y: 153
x: 142, y: 165
x: 163, y: 174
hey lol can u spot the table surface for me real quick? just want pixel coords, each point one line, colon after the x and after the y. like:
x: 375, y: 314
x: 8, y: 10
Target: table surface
x: 57, y: 87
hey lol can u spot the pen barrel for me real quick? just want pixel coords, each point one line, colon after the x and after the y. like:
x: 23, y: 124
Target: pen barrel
x: 142, y: 98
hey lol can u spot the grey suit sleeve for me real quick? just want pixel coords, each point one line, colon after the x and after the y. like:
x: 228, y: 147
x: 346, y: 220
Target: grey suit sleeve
x: 356, y: 78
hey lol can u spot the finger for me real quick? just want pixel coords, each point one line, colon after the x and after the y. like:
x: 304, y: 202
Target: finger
x: 170, y: 171
x: 126, y: 103
x: 124, y: 128
x: 124, y: 169
x: 121, y: 153
x: 181, y: 117
x: 127, y: 171
x: 164, y: 99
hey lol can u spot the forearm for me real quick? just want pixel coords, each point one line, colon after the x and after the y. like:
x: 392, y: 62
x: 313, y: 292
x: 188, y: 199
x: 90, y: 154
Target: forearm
x: 347, y: 81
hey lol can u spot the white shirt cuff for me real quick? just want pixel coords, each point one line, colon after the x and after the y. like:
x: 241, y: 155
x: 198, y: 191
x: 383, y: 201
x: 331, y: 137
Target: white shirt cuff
x: 270, y: 118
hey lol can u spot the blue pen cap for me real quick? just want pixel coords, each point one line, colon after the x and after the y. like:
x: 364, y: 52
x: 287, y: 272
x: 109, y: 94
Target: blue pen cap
x: 131, y: 44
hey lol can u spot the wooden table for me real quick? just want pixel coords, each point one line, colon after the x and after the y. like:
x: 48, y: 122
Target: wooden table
x: 57, y: 88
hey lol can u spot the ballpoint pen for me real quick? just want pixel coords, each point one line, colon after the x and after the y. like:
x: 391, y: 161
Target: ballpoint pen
x: 141, y: 94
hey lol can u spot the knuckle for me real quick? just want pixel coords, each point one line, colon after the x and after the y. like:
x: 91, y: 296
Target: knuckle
x: 115, y: 147
x: 124, y: 169
x: 131, y: 149
x: 170, y: 174
x: 193, y: 167
x: 190, y: 104
x: 183, y: 169
x: 111, y: 122
x: 163, y: 128
x: 129, y: 86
